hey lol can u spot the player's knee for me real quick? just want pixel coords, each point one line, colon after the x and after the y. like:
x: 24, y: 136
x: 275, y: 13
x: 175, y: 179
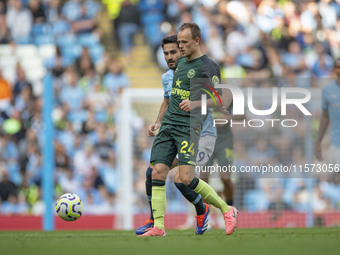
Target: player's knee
x: 158, y: 174
x: 186, y: 180
x: 177, y: 178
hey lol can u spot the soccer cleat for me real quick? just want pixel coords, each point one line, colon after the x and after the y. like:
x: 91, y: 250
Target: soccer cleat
x: 145, y: 227
x: 154, y: 232
x: 230, y: 220
x: 202, y: 221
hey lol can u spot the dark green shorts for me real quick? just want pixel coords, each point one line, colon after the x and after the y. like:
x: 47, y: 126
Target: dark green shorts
x: 172, y: 140
x: 224, y: 151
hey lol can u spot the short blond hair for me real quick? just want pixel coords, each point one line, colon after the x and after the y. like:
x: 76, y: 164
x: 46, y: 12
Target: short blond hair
x: 194, y: 28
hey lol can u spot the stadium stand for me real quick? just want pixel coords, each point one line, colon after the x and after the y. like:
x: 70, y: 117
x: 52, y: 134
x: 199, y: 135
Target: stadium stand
x: 249, y: 39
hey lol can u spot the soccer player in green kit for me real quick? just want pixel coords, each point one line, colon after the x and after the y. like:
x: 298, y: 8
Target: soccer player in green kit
x: 176, y: 135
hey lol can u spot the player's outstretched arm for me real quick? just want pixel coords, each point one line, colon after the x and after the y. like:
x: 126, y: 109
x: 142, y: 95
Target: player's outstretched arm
x: 161, y: 113
x: 324, y: 122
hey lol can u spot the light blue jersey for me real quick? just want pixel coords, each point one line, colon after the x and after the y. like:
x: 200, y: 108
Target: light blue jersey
x: 331, y: 102
x: 208, y: 126
x: 167, y: 79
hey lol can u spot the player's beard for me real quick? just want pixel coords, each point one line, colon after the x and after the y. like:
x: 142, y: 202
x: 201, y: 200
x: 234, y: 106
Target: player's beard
x: 172, y: 67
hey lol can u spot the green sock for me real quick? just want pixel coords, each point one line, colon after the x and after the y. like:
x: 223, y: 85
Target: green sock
x: 209, y: 194
x: 158, y: 202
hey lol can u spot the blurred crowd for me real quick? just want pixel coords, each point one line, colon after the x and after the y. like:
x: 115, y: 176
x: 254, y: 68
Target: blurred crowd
x: 86, y: 83
x: 249, y: 39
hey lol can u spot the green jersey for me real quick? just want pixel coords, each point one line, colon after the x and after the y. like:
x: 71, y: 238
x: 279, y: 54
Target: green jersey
x: 202, y: 67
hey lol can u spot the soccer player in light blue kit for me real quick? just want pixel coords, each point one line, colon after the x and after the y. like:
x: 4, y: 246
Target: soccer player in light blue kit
x: 206, y: 144
x: 330, y: 115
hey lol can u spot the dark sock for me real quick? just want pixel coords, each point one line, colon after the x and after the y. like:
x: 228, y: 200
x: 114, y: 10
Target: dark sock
x: 193, y: 184
x: 148, y: 188
x: 229, y: 201
x: 192, y: 197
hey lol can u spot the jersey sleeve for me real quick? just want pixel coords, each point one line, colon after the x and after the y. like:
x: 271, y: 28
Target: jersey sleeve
x: 165, y: 81
x: 212, y: 72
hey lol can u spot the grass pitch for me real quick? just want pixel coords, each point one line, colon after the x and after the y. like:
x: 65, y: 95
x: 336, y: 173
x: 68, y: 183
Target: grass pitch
x: 243, y: 241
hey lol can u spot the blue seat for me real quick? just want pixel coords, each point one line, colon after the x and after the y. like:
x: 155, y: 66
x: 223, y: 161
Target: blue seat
x: 40, y: 29
x: 66, y: 40
x: 14, y: 173
x: 43, y: 39
x: 88, y: 40
x: 255, y: 201
x: 60, y: 27
x: 96, y: 52
x: 71, y: 51
x: 92, y: 8
x: 152, y: 18
x: 23, y: 40
x: 151, y: 23
x: 146, y: 5
x: 65, y: 62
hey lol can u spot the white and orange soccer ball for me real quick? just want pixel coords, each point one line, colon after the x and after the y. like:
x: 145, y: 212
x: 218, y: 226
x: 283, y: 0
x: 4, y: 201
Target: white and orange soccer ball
x: 69, y: 207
